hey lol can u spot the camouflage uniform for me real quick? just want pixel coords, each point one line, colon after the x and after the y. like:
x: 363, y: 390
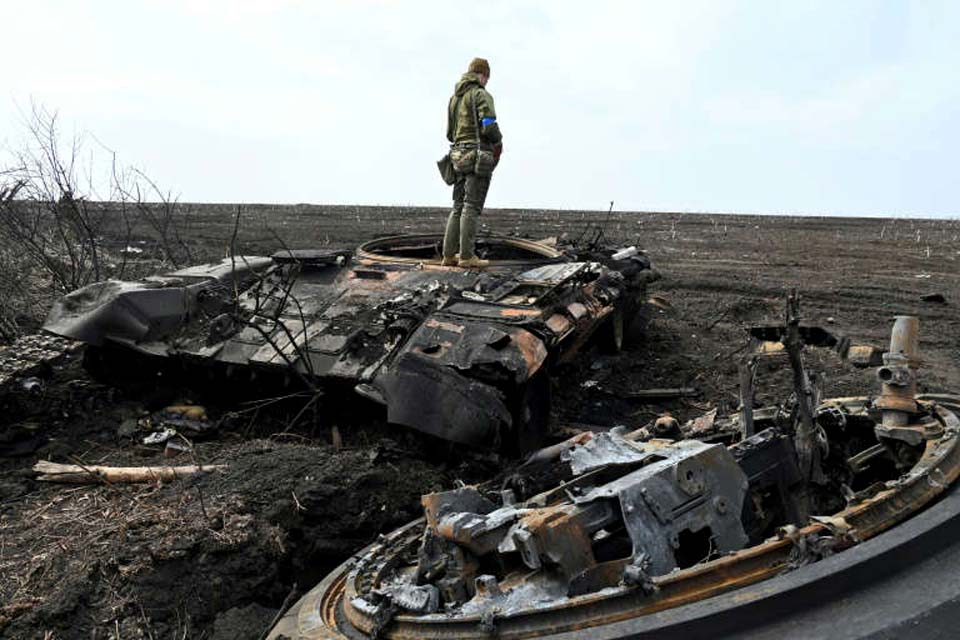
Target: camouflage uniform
x: 470, y: 117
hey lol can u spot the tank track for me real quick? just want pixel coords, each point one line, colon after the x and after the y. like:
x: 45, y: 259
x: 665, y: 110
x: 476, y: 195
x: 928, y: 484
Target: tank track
x: 31, y: 356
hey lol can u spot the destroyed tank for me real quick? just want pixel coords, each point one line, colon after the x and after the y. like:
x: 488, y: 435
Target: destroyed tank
x: 459, y: 354
x: 620, y: 535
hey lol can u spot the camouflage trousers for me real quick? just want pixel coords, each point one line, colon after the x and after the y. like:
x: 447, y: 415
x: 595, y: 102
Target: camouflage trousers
x: 469, y: 194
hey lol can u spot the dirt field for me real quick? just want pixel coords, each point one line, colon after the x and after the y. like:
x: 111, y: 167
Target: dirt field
x: 216, y: 556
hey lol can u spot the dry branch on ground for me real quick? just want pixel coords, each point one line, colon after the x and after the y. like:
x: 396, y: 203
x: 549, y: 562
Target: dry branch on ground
x: 84, y: 474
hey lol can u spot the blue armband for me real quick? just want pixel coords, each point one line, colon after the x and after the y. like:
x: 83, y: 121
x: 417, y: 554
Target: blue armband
x: 486, y: 122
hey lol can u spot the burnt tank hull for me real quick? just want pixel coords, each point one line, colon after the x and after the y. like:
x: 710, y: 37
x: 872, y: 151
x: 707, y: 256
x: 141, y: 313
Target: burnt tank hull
x: 450, y: 352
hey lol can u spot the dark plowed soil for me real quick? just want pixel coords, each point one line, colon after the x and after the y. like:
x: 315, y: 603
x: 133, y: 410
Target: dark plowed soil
x: 215, y: 556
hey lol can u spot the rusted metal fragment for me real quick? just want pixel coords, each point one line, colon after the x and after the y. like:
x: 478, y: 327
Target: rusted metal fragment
x: 559, y: 324
x: 812, y: 335
x: 478, y: 533
x: 770, y: 343
x: 483, y: 350
x: 560, y: 537
x: 863, y: 356
x: 469, y: 499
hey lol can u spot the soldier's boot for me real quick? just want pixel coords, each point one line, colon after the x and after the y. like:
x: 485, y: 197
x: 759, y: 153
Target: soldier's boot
x: 473, y: 263
x: 452, y: 261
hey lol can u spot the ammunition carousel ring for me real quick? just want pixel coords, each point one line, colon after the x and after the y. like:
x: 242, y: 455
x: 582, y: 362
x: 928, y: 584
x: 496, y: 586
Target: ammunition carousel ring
x: 502, y: 251
x: 335, y: 610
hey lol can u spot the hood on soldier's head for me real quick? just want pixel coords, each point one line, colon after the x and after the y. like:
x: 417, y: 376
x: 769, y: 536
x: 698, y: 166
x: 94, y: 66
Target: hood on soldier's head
x: 466, y: 81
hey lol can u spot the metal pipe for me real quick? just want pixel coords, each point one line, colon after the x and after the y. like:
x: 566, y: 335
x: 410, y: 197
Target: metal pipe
x: 898, y: 373
x: 905, y: 336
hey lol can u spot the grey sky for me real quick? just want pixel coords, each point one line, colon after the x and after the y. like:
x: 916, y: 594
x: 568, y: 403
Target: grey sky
x: 843, y: 107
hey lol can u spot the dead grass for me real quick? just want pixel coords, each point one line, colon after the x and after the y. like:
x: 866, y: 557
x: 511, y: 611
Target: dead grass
x: 82, y: 531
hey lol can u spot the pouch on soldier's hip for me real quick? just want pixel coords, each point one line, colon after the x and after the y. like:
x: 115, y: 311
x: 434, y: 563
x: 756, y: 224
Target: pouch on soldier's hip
x: 485, y: 163
x: 463, y: 160
x: 445, y: 165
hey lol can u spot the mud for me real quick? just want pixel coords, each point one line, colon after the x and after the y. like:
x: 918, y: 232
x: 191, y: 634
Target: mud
x: 216, y: 556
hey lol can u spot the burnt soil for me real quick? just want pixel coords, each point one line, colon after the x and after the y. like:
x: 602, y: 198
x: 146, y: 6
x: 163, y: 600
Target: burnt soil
x: 216, y: 556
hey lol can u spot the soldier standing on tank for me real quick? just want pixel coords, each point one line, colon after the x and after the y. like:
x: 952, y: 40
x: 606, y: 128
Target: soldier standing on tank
x: 476, y: 144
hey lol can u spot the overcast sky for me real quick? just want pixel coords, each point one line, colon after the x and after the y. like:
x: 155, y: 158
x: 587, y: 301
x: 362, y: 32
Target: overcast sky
x: 835, y: 107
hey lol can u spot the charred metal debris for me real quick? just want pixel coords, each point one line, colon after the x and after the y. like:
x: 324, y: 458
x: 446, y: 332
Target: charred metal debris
x: 459, y: 354
x: 613, y: 525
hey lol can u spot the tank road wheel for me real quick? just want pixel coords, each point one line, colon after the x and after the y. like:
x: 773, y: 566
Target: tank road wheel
x: 610, y: 334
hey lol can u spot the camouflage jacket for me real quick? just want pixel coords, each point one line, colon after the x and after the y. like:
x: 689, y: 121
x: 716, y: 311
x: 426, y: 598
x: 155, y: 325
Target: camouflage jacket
x: 470, y: 104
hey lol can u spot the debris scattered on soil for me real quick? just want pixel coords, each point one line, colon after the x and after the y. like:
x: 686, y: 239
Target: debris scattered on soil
x: 934, y: 297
